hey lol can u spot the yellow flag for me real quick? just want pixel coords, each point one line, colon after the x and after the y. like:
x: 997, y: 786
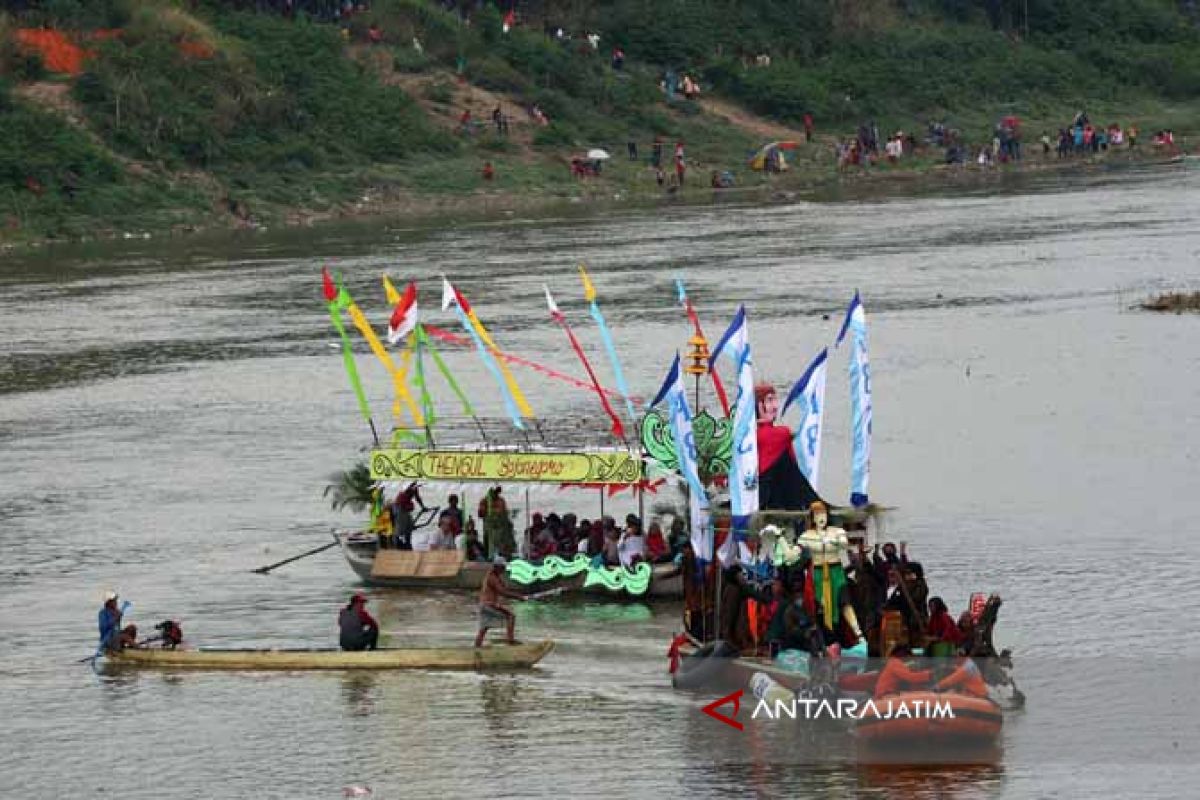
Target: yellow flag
x: 589, y: 291
x: 393, y: 297
x: 402, y: 393
x: 511, y: 382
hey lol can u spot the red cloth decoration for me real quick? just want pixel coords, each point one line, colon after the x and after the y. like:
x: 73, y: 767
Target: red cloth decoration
x: 673, y: 653
x: 327, y: 285
x: 615, y: 488
x: 618, y: 430
x: 809, y: 594
x: 453, y: 338
x: 773, y: 441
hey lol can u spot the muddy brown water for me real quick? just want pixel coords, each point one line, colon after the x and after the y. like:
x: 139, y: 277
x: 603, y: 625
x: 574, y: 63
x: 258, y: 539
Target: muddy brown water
x: 169, y: 411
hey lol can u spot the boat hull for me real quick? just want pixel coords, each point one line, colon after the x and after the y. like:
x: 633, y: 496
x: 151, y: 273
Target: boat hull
x: 726, y: 671
x: 495, y: 657
x: 666, y: 580
x: 360, y: 554
x: 971, y: 720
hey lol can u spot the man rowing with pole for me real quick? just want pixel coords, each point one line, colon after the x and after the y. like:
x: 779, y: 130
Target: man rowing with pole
x: 492, y: 611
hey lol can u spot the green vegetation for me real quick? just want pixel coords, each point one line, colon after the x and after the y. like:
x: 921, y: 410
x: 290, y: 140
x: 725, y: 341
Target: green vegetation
x: 201, y: 112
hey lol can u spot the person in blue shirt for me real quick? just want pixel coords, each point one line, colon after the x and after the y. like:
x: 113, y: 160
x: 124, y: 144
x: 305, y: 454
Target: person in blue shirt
x: 110, y: 623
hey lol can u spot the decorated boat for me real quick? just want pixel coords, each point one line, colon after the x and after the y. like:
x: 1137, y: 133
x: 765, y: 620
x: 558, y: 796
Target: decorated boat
x: 790, y: 588
x: 494, y: 657
x: 503, y: 460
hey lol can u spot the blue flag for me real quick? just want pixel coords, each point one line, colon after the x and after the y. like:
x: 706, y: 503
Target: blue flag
x: 743, y: 467
x: 860, y: 401
x: 809, y: 396
x: 680, y: 415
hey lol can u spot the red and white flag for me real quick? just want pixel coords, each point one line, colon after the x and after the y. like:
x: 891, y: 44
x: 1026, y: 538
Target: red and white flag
x: 404, y: 317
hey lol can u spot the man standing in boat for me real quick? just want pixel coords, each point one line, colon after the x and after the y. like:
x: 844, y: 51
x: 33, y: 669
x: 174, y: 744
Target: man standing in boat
x: 359, y: 630
x: 492, y: 611
x: 497, y: 525
x: 402, y: 516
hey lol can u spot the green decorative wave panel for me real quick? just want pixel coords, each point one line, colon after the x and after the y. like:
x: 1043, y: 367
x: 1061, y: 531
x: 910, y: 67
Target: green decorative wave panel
x: 618, y: 579
x: 552, y: 567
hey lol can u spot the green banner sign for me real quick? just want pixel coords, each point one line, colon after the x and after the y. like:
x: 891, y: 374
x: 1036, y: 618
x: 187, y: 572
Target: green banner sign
x: 399, y: 464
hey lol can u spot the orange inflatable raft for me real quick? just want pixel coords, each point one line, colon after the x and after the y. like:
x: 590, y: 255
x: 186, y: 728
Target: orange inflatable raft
x: 944, y: 717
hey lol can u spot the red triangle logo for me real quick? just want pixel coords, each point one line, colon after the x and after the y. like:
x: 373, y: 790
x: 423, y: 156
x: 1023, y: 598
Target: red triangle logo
x: 736, y: 699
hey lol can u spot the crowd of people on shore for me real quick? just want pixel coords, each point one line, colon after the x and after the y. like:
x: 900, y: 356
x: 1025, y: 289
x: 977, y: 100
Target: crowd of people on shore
x: 1081, y: 138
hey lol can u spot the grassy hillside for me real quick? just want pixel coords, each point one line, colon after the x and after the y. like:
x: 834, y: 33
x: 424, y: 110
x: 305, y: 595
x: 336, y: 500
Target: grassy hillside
x: 213, y: 111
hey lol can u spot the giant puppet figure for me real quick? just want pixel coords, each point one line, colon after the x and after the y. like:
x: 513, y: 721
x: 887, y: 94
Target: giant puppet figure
x: 828, y: 546
x: 781, y: 484
x: 783, y: 487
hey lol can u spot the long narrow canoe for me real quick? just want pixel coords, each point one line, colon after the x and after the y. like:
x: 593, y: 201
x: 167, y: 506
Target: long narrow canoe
x: 499, y: 657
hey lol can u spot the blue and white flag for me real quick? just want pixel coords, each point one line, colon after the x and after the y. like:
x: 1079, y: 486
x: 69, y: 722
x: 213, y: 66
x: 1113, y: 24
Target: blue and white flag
x: 860, y: 401
x: 743, y: 467
x: 680, y: 416
x: 809, y: 396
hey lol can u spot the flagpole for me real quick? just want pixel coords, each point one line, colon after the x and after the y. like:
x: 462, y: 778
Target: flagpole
x: 337, y: 298
x: 427, y: 412
x: 694, y: 318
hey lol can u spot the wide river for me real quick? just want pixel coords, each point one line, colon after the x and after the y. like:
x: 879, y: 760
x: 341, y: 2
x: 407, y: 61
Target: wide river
x: 170, y: 411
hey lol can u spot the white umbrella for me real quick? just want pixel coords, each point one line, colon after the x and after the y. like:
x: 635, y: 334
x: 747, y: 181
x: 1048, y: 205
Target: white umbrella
x: 597, y: 154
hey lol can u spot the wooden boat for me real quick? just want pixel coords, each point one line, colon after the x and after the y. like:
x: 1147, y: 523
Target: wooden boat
x: 429, y: 569
x: 497, y: 657
x: 449, y: 569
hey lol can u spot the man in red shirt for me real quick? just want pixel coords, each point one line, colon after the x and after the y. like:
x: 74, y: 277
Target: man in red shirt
x: 402, y: 516
x: 359, y: 630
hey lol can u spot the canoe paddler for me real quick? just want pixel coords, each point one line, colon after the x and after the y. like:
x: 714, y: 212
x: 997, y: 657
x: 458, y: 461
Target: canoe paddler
x: 110, y: 622
x: 359, y: 630
x: 492, y: 611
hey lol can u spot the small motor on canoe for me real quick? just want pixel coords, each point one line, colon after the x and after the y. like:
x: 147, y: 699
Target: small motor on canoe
x: 170, y: 633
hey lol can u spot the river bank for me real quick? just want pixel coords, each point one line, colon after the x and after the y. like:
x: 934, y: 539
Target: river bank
x: 621, y: 186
